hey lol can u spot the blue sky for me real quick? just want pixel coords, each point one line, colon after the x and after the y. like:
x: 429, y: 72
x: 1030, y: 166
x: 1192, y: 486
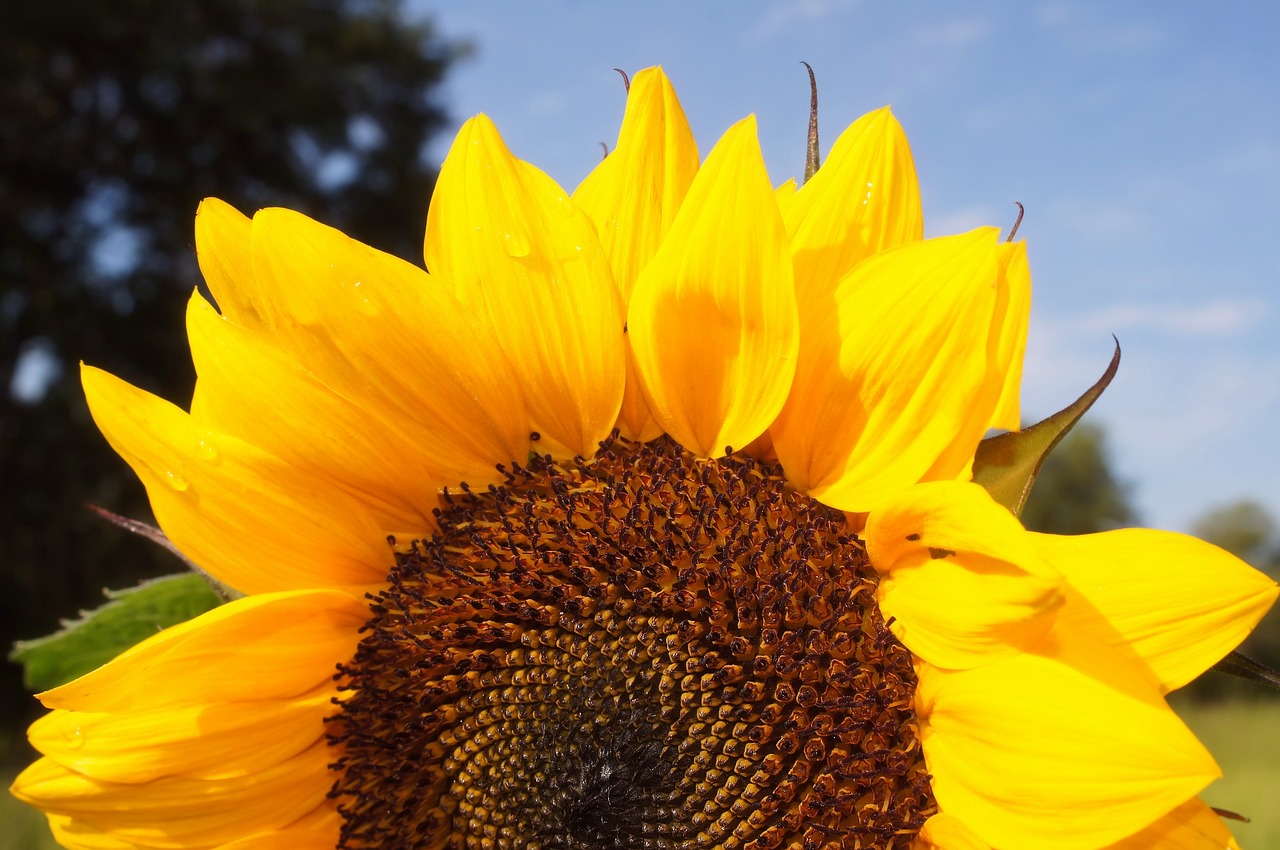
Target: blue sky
x: 1144, y: 140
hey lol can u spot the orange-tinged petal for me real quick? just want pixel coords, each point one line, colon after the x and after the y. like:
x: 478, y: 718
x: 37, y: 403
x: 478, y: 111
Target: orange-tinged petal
x: 1013, y: 317
x: 221, y: 739
x: 247, y: 517
x: 712, y: 320
x: 1181, y: 603
x: 895, y: 385
x: 1070, y: 746
x: 863, y: 200
x: 75, y: 835
x: 632, y: 198
x: 389, y: 339
x: 289, y: 838
x: 961, y: 580
x: 947, y: 832
x: 262, y: 647
x: 179, y: 812
x: 1191, y: 826
x: 226, y: 262
x: 508, y: 242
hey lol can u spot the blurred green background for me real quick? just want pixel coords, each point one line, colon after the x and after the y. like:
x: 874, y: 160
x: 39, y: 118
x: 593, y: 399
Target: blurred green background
x: 120, y: 117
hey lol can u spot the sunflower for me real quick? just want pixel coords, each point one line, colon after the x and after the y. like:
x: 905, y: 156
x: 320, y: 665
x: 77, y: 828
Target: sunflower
x: 642, y: 520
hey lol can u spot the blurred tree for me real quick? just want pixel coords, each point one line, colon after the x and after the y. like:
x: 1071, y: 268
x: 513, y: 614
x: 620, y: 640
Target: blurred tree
x: 1076, y: 491
x: 118, y: 118
x: 1246, y: 530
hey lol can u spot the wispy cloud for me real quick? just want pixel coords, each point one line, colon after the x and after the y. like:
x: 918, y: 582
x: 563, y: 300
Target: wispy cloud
x: 1221, y: 318
x: 782, y: 16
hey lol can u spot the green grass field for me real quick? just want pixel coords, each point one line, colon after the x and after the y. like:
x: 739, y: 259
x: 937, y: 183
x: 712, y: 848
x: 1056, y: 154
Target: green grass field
x: 1244, y: 736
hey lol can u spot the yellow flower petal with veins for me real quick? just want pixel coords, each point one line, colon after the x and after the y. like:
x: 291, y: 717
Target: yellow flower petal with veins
x: 632, y: 198
x: 712, y: 320
x: 1179, y: 602
x: 863, y: 200
x: 508, y: 242
x: 1013, y: 317
x: 896, y: 385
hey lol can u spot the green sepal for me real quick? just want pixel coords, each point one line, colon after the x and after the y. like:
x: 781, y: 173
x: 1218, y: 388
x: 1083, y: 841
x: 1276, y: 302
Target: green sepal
x: 1007, y: 464
x: 1238, y: 664
x: 128, y: 617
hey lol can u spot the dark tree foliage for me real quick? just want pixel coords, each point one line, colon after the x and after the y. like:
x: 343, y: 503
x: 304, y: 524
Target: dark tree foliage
x: 1076, y: 491
x: 118, y: 118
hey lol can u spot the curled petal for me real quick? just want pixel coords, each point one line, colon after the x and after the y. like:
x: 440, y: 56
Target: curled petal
x: 223, y: 249
x: 1180, y: 603
x: 508, y: 242
x: 895, y: 382
x: 712, y: 321
x: 961, y: 581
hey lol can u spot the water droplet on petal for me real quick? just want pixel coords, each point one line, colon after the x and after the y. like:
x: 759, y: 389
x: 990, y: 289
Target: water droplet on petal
x: 207, y: 451
x: 176, y: 481
x: 74, y: 737
x: 516, y: 244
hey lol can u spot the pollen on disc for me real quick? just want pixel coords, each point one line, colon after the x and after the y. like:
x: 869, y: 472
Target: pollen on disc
x: 638, y: 652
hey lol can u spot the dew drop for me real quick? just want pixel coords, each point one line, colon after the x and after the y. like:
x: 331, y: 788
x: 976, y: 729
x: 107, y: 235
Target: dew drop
x: 207, y: 451
x: 176, y: 481
x: 74, y: 738
x: 516, y: 244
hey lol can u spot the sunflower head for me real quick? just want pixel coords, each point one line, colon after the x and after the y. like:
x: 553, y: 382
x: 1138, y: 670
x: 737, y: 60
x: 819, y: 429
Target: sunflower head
x: 642, y: 518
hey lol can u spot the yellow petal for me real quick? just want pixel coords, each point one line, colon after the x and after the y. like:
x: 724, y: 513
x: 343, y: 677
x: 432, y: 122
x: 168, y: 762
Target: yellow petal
x: 712, y: 320
x: 632, y: 198
x: 960, y: 578
x: 217, y: 740
x: 1181, y: 603
x: 864, y: 199
x: 385, y: 336
x: 1070, y: 746
x: 263, y: 647
x: 511, y: 245
x: 947, y: 832
x: 178, y: 812
x: 287, y: 839
x: 1191, y: 826
x: 254, y: 521
x: 226, y: 262
x: 1012, y: 318
x: 897, y: 383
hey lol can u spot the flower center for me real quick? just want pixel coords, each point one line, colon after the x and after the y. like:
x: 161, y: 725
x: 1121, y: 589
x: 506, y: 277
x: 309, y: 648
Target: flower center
x: 644, y: 650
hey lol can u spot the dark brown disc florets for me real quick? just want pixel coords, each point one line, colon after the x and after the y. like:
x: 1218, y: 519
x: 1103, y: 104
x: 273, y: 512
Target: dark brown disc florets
x: 643, y: 651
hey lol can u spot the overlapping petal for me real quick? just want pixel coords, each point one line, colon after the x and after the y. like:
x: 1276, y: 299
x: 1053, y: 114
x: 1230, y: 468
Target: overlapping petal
x: 865, y: 199
x: 632, y: 198
x: 961, y: 580
x: 712, y: 320
x: 509, y: 244
x: 1009, y: 330
x: 179, y: 812
x: 269, y: 646
x: 246, y: 516
x: 1069, y: 746
x: 1179, y: 602
x: 897, y: 383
